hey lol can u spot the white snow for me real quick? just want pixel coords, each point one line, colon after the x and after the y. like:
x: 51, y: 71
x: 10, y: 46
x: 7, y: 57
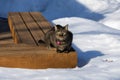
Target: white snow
x: 112, y: 19
x: 96, y: 28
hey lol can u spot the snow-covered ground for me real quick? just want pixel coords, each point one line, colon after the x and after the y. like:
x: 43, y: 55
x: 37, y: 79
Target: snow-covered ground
x: 96, y: 28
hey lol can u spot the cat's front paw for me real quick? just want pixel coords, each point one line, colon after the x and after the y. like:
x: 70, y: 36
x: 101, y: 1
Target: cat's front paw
x: 67, y: 51
x: 59, y: 51
x: 48, y: 47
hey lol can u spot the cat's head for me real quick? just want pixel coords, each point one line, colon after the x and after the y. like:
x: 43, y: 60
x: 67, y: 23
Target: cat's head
x: 61, y: 32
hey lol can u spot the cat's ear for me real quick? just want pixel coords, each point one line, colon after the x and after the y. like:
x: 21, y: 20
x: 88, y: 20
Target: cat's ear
x: 66, y: 27
x: 56, y: 28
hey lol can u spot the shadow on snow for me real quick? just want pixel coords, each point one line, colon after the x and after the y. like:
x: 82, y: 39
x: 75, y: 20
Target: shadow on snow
x: 72, y: 8
x: 85, y: 57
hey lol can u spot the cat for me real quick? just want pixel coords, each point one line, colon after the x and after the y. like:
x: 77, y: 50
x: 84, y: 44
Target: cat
x: 60, y: 38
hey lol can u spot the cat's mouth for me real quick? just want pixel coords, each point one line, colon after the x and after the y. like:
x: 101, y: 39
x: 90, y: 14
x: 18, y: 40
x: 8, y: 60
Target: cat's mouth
x: 60, y: 42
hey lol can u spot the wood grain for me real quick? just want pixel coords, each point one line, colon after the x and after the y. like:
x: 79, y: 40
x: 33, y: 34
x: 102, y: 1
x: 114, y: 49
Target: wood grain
x: 23, y: 51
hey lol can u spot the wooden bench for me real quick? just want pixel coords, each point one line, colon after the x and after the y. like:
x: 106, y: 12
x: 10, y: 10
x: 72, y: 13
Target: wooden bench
x: 28, y: 28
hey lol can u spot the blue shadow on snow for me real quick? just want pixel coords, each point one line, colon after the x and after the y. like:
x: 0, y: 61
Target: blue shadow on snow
x: 72, y: 9
x: 85, y: 57
x: 51, y: 9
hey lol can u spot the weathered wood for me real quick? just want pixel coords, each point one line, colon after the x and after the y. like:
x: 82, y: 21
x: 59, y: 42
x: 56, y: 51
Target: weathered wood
x: 27, y: 28
x: 19, y: 30
x: 41, y: 21
x: 30, y: 24
x: 33, y: 28
x: 28, y: 58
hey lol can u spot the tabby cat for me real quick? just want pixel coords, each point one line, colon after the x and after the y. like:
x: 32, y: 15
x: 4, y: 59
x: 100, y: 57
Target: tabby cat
x: 60, y: 38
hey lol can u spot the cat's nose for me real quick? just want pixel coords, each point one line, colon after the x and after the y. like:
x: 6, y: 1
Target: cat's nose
x: 61, y: 35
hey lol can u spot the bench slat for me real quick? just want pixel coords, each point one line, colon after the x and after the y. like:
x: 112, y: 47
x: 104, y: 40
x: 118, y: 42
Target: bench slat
x: 36, y: 59
x: 19, y: 30
x: 41, y: 21
x: 34, y: 29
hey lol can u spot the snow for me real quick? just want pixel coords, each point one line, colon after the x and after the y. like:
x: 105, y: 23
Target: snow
x: 96, y: 29
x: 112, y: 19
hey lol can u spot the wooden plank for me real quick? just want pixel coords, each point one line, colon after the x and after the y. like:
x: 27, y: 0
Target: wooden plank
x: 41, y: 21
x: 34, y: 29
x: 6, y: 39
x: 21, y: 48
x: 12, y: 28
x: 19, y: 30
x: 35, y: 59
x: 10, y: 25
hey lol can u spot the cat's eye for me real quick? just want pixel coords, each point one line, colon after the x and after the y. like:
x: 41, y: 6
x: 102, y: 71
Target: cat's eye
x: 64, y: 34
x: 58, y: 33
x: 61, y: 33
